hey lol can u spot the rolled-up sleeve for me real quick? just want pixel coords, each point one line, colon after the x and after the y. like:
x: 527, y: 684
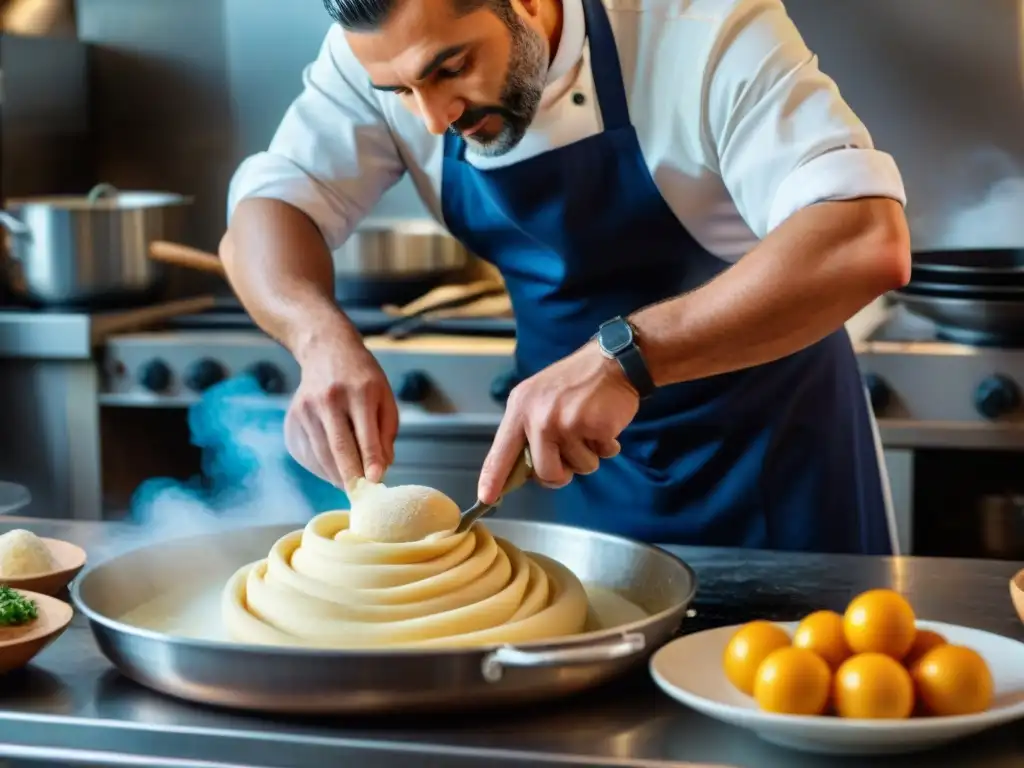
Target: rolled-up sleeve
x: 333, y: 156
x: 777, y: 128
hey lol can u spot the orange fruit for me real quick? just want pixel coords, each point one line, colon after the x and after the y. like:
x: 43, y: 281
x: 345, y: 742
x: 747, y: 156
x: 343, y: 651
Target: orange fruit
x: 880, y: 621
x: 822, y: 632
x: 924, y: 641
x: 953, y: 680
x: 873, y: 686
x: 793, y: 681
x: 748, y: 648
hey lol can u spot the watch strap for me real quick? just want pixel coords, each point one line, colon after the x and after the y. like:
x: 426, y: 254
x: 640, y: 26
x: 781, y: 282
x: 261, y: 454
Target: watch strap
x: 632, y: 362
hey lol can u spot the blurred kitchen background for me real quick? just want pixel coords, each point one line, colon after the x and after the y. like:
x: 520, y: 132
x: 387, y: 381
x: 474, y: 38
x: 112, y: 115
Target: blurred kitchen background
x: 102, y: 354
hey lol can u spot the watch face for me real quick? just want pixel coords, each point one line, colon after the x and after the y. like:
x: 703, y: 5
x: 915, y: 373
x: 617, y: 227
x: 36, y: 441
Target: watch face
x: 616, y: 337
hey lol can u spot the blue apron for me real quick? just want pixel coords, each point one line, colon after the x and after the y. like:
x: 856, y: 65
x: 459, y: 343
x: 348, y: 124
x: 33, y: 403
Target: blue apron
x: 779, y: 456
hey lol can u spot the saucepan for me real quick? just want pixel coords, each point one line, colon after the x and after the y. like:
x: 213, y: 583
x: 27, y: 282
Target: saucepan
x: 90, y: 249
x: 382, y: 262
x: 293, y: 680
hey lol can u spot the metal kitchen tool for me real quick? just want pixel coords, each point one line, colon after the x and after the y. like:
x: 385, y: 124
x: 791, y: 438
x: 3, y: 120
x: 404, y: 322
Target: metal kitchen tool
x: 91, y: 248
x: 411, y: 319
x: 299, y: 680
x: 521, y: 472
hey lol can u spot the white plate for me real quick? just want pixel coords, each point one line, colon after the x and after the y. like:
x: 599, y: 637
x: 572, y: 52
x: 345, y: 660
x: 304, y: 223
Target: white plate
x: 690, y: 670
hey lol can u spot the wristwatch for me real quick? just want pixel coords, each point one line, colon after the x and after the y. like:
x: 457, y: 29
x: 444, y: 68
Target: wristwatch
x: 617, y: 340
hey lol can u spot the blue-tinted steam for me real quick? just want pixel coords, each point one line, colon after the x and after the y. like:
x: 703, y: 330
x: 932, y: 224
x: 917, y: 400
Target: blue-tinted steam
x: 248, y: 477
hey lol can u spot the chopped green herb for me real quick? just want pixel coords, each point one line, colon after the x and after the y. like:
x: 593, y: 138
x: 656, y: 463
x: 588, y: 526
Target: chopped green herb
x: 16, y: 609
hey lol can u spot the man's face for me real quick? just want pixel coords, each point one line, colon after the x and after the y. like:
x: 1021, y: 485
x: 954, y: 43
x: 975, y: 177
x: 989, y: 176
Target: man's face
x: 479, y: 75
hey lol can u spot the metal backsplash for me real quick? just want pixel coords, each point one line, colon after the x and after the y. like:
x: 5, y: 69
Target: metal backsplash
x: 186, y: 88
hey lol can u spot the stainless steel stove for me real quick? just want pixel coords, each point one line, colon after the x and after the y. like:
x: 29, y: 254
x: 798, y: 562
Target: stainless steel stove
x: 928, y: 392
x: 951, y: 417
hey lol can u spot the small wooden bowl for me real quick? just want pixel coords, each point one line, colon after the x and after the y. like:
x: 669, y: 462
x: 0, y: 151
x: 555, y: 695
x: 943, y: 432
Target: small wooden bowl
x: 19, y: 645
x: 70, y: 560
x: 1017, y: 593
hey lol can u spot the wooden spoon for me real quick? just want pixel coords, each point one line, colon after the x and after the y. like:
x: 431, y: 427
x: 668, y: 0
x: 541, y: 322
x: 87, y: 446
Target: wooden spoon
x: 19, y: 645
x: 1017, y: 593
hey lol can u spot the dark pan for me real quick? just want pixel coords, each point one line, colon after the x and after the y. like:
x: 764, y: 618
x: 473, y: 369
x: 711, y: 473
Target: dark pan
x: 921, y: 287
x: 984, y: 279
x: 982, y: 322
x: 991, y: 261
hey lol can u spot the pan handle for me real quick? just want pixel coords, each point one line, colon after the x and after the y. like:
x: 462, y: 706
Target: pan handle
x: 183, y: 256
x: 624, y: 646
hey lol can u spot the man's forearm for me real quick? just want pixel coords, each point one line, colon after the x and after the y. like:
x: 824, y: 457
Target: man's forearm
x: 800, y: 284
x: 282, y: 271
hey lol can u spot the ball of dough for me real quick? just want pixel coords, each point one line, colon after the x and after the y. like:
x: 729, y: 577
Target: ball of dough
x: 22, y: 553
x: 401, y: 513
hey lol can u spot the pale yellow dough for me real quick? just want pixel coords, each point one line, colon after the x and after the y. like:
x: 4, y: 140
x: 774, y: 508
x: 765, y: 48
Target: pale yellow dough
x: 400, y: 513
x: 325, y: 587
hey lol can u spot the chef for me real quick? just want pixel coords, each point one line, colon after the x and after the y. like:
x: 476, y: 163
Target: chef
x: 685, y: 213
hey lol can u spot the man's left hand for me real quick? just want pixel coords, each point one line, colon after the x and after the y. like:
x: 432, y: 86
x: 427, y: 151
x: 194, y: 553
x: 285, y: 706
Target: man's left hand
x: 570, y: 414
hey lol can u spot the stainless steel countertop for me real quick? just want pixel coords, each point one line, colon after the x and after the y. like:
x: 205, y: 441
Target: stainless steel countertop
x: 72, y: 707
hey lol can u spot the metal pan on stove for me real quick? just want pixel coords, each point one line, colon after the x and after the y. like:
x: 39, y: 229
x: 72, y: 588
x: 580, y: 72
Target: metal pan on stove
x: 921, y: 287
x: 982, y: 320
x: 994, y: 263
x: 307, y: 681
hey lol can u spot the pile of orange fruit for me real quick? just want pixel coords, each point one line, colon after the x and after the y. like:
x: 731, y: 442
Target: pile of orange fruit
x: 871, y: 662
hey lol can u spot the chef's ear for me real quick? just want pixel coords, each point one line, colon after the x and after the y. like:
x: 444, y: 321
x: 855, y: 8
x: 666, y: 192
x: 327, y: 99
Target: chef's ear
x: 528, y: 9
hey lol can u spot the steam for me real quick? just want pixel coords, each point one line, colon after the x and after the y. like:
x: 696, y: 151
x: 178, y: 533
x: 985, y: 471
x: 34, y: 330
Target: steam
x: 248, y: 478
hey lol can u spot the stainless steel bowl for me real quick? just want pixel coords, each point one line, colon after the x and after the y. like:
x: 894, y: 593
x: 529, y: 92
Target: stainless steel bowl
x: 399, y: 249
x: 295, y: 680
x: 88, y: 249
x: 394, y: 261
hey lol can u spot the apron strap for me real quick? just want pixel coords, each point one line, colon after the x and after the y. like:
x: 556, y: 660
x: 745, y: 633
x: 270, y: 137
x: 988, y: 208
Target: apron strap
x: 604, y: 65
x: 454, y: 146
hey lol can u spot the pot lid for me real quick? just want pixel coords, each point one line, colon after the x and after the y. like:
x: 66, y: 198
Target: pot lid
x: 103, y: 197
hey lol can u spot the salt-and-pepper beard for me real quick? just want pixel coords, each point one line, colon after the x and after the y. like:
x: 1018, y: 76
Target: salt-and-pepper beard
x: 520, y: 96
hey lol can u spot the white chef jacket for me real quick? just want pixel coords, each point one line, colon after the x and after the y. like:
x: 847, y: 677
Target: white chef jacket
x: 738, y: 126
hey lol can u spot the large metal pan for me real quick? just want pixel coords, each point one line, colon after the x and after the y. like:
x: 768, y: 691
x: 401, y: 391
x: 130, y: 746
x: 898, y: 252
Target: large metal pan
x: 992, y: 264
x: 982, y: 322
x: 923, y: 287
x: 291, y: 680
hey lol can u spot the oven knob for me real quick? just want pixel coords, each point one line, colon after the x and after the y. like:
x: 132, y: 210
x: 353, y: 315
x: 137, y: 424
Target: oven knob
x: 269, y: 377
x: 878, y: 392
x: 996, y: 396
x: 203, y: 374
x: 414, y: 387
x: 502, y: 386
x: 155, y: 376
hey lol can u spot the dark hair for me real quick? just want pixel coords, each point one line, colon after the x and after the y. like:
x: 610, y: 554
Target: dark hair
x: 365, y: 15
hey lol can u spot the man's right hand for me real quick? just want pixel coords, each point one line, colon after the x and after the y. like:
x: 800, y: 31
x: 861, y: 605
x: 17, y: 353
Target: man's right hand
x: 343, y: 419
